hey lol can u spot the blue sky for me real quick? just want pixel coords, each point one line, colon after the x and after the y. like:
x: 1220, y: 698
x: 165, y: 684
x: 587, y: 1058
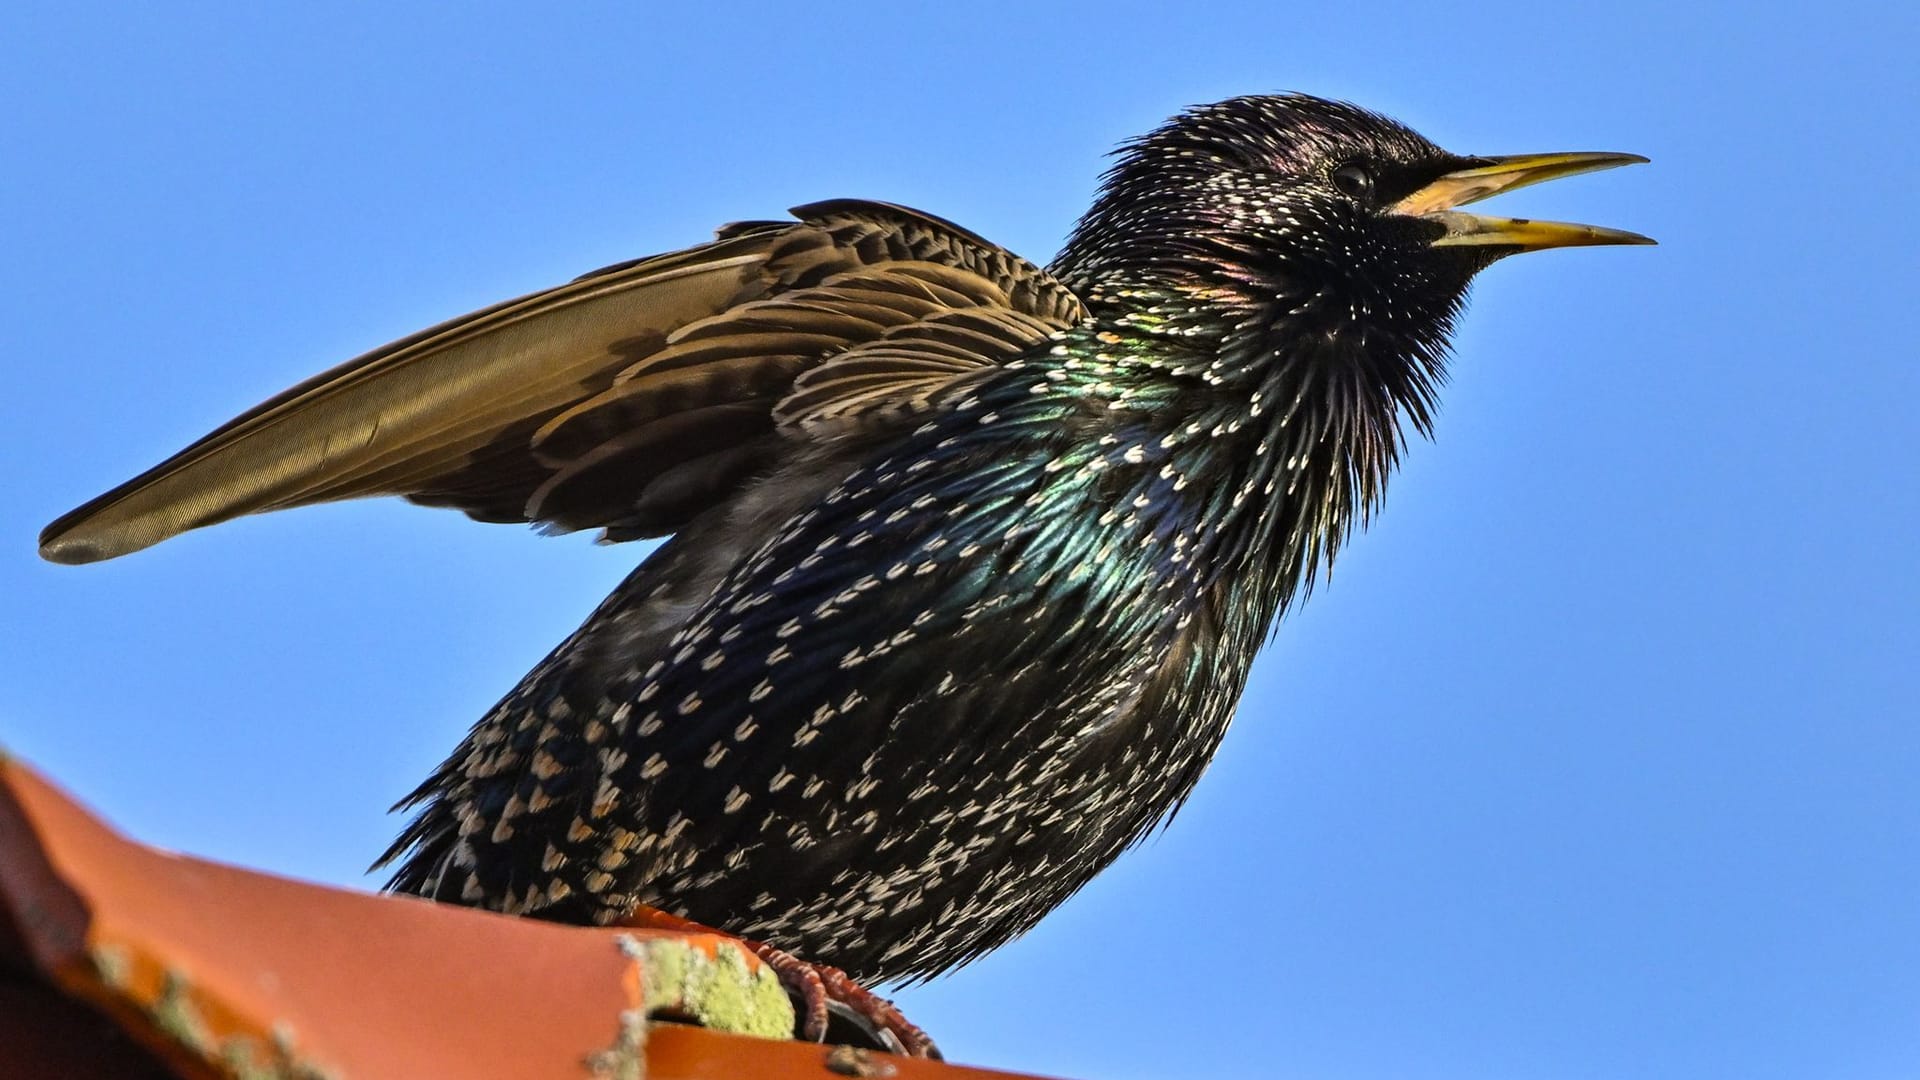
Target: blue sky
x: 1597, y: 758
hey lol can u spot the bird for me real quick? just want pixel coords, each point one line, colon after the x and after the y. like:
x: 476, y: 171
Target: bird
x: 966, y: 560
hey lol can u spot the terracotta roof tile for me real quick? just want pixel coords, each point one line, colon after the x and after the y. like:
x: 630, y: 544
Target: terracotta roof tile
x: 213, y: 970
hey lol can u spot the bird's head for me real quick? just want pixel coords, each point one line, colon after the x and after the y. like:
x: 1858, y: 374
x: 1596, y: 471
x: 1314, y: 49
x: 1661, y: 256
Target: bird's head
x: 1331, y: 219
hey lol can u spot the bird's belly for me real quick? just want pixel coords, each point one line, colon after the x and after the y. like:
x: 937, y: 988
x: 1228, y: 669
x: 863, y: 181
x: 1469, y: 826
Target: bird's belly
x: 915, y: 872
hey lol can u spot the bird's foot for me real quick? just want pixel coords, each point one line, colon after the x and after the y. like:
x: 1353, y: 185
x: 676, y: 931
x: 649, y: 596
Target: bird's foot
x: 821, y: 988
x: 823, y: 991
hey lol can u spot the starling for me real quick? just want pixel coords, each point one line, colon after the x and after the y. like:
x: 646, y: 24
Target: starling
x: 967, y: 560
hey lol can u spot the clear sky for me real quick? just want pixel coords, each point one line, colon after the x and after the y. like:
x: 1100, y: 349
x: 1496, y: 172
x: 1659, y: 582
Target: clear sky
x: 1597, y: 758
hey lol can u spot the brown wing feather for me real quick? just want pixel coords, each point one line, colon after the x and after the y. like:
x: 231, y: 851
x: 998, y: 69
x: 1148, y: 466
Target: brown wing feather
x: 900, y: 374
x: 629, y: 399
x: 421, y: 405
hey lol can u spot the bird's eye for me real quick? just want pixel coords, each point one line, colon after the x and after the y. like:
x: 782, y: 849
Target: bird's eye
x: 1354, y: 181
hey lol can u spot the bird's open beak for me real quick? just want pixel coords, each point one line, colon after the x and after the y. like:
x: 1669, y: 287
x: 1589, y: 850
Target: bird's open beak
x: 1437, y: 202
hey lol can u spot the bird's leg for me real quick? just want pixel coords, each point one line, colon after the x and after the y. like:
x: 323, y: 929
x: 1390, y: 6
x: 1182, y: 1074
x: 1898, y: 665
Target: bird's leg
x: 817, y: 986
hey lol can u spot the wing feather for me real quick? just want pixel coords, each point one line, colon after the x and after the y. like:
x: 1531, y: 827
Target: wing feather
x: 686, y: 373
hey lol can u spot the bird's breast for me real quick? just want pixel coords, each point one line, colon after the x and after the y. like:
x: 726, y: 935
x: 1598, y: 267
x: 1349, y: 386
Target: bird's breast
x: 974, y: 670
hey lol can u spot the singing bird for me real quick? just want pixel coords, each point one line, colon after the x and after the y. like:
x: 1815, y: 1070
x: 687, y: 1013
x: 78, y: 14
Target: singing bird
x: 967, y: 559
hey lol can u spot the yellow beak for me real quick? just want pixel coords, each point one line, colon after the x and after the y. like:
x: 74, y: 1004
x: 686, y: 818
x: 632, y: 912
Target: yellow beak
x: 1437, y: 201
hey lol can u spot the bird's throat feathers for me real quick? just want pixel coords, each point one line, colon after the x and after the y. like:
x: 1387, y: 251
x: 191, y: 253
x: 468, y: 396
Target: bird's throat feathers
x: 1241, y: 439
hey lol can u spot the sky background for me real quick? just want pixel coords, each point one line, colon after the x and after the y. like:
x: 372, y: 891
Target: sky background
x: 1597, y: 758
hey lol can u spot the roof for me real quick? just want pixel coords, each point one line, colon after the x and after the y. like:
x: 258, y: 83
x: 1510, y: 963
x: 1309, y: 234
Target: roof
x: 120, y: 959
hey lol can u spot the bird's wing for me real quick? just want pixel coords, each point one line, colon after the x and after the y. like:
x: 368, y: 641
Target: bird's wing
x: 629, y: 399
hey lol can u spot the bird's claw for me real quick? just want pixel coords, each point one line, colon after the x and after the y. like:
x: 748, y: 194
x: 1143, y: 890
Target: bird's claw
x: 824, y: 991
